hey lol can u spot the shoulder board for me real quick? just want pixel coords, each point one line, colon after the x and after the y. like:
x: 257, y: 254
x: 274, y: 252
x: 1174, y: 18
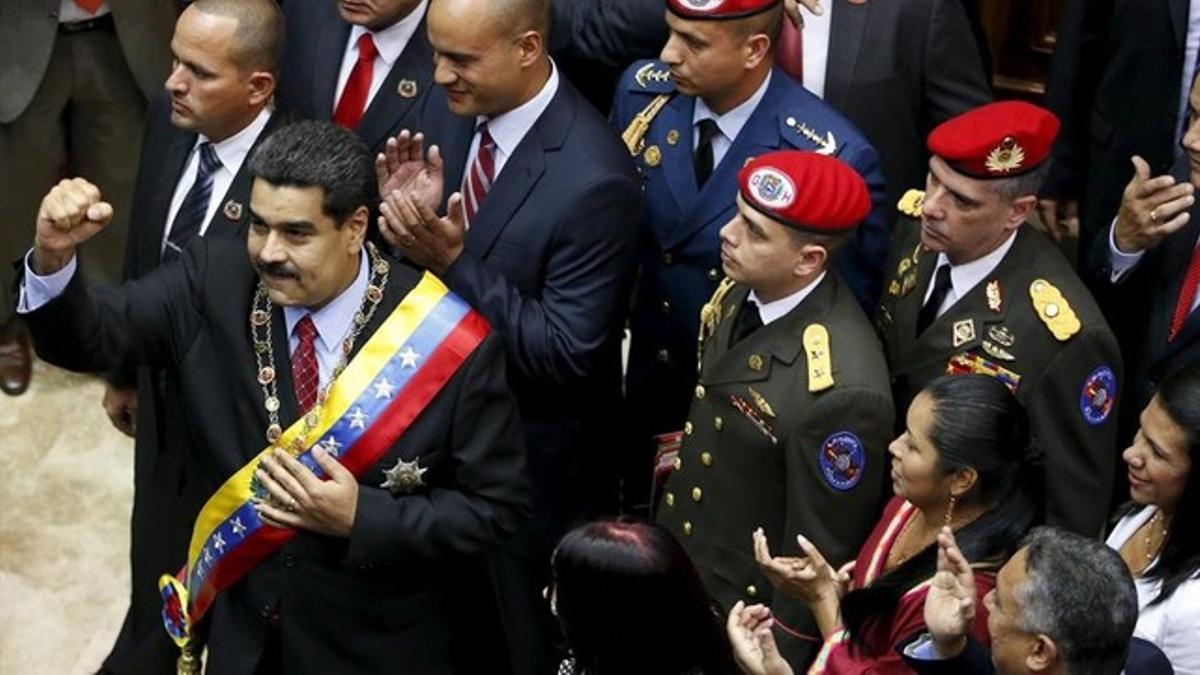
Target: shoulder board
x: 805, y: 136
x: 910, y: 203
x: 1054, y: 310
x: 820, y: 361
x: 650, y: 77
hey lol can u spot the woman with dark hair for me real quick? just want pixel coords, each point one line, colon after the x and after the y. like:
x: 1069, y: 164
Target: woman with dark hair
x: 630, y: 602
x: 958, y: 464
x: 1158, y: 534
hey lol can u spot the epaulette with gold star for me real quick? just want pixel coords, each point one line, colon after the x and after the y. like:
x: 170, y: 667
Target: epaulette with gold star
x: 1054, y: 310
x: 910, y: 203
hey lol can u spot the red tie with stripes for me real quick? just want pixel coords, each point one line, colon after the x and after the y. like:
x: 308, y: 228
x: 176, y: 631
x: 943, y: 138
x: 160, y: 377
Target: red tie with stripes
x: 479, y: 179
x: 353, y: 102
x: 1187, y: 295
x: 304, y: 365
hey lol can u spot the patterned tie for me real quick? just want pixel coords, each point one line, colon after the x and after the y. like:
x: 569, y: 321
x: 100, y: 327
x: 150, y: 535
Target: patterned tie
x: 702, y: 163
x: 483, y: 171
x: 929, y: 311
x: 304, y: 365
x: 89, y: 6
x: 1187, y: 296
x: 789, y: 54
x: 194, y: 208
x: 353, y: 102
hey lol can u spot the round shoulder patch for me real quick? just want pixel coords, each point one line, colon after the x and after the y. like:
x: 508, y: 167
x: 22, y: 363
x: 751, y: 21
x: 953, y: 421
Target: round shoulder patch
x: 842, y: 460
x: 772, y: 188
x: 1098, y: 396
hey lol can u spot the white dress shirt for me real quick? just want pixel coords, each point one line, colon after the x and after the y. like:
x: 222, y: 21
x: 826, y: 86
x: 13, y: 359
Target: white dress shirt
x: 816, y: 46
x: 777, y: 309
x: 69, y: 12
x: 730, y: 124
x: 508, y: 129
x: 232, y: 152
x: 389, y: 44
x: 966, y: 276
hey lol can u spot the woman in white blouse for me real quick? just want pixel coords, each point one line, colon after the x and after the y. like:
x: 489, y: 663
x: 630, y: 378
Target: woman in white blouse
x: 1159, y: 534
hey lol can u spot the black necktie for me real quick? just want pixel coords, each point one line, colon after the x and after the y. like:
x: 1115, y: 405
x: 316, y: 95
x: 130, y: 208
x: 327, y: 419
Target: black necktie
x: 748, y: 320
x: 703, y: 160
x: 191, y: 212
x: 941, y: 286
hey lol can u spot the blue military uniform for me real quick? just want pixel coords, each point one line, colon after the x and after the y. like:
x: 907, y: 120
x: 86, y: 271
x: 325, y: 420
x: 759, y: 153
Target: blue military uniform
x: 680, y: 252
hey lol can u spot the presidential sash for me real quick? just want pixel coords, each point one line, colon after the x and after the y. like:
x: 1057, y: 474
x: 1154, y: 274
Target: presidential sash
x: 398, y: 371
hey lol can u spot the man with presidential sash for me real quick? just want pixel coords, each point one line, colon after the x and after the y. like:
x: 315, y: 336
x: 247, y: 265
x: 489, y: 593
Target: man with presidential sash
x: 354, y: 425
x: 691, y: 121
x: 976, y: 290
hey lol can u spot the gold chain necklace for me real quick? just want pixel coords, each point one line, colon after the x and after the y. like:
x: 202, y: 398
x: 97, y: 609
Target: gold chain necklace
x: 264, y: 351
x: 1151, y: 550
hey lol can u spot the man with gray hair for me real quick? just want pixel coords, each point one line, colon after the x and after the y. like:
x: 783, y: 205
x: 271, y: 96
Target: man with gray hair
x: 1062, y: 604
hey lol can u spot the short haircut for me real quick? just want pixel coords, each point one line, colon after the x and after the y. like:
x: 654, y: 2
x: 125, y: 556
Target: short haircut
x: 1079, y: 593
x: 1027, y: 184
x: 830, y: 242
x: 258, y: 42
x: 319, y: 154
x: 523, y: 15
x: 769, y: 22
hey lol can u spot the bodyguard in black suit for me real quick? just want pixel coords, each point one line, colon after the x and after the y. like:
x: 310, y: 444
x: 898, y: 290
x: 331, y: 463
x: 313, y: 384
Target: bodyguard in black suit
x: 322, y: 48
x: 230, y: 114
x: 541, y: 240
x: 360, y: 586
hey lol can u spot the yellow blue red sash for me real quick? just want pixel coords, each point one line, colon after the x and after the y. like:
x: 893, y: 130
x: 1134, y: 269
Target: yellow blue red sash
x: 398, y: 371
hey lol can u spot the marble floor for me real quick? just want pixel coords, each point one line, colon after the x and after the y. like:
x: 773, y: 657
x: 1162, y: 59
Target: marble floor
x: 66, y: 488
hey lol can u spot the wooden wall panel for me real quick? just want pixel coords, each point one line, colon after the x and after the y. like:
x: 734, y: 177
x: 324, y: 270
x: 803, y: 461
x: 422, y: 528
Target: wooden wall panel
x: 1021, y: 36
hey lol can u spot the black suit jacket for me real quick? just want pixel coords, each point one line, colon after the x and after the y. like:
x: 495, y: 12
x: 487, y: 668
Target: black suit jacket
x: 1144, y: 658
x: 549, y: 260
x: 897, y: 70
x: 1140, y: 307
x: 312, y: 58
x: 1114, y: 82
x: 344, y: 605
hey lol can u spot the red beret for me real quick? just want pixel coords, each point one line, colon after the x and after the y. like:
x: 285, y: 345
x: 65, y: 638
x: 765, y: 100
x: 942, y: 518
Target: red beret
x: 719, y: 9
x: 997, y: 140
x: 806, y: 191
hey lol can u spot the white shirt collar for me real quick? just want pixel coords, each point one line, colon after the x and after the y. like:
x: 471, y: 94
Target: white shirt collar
x: 966, y: 276
x: 777, y: 309
x: 334, y: 320
x: 731, y: 122
x: 233, y: 150
x: 391, y: 41
x: 508, y: 128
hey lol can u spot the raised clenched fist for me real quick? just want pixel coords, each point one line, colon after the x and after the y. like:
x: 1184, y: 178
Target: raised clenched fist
x: 71, y: 213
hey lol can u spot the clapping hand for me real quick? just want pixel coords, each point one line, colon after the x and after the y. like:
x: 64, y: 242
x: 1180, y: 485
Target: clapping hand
x: 1151, y: 209
x: 70, y: 214
x: 415, y: 230
x: 950, y: 602
x: 403, y: 166
x: 754, y: 649
x: 809, y: 578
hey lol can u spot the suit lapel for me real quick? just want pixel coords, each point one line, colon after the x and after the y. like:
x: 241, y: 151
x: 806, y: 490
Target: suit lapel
x: 233, y: 211
x: 909, y: 305
x: 1179, y: 22
x: 175, y: 158
x: 678, y: 166
x: 389, y: 106
x: 847, y: 25
x: 330, y: 48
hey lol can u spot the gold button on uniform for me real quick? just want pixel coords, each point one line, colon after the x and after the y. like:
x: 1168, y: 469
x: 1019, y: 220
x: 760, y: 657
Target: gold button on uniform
x: 678, y: 463
x: 687, y: 527
x: 697, y: 494
x: 669, y: 499
x: 699, y: 391
x: 755, y: 362
x: 706, y: 458
x: 687, y: 428
x: 718, y: 423
x: 752, y: 591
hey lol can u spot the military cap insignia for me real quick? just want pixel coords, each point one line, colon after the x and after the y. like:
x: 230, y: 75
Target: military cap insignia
x: 407, y: 88
x: 232, y: 210
x: 910, y: 204
x: 749, y: 413
x: 962, y: 364
x: 652, y: 155
x: 650, y: 74
x: 404, y: 477
x: 1098, y: 396
x: 1054, y: 311
x: 772, y: 188
x: 994, y: 299
x: 963, y: 331
x: 825, y: 145
x: 1006, y: 157
x: 820, y: 363
x: 842, y: 459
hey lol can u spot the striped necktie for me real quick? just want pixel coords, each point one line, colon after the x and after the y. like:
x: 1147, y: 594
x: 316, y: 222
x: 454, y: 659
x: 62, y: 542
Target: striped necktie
x: 194, y: 208
x: 483, y: 171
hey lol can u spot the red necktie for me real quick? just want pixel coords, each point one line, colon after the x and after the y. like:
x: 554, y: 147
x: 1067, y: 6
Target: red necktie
x: 790, y: 52
x: 304, y: 365
x: 1187, y: 295
x: 479, y: 179
x: 89, y: 6
x: 353, y: 102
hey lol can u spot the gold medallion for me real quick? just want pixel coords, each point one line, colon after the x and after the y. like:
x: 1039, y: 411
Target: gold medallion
x: 653, y: 156
x: 672, y: 137
x: 755, y: 362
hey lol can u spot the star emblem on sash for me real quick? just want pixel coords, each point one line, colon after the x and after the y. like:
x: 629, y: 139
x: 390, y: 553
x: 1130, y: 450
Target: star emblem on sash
x: 409, y: 357
x: 358, y: 420
x: 383, y: 388
x: 332, y: 446
x: 218, y: 542
x: 404, y: 477
x: 238, y: 528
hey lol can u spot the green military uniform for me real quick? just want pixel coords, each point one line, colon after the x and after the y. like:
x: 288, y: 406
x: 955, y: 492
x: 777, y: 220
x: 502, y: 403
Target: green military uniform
x: 1033, y: 324
x: 788, y: 431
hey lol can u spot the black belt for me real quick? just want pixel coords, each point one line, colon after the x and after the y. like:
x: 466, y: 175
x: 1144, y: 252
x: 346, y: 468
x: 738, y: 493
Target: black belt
x: 99, y: 23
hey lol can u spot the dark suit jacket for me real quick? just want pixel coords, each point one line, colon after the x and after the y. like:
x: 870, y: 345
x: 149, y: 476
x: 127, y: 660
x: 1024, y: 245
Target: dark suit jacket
x: 549, y: 260
x: 1140, y: 307
x: 164, y: 506
x: 897, y: 70
x: 1114, y: 83
x: 345, y: 605
x: 312, y: 58
x: 1144, y: 658
x: 27, y: 34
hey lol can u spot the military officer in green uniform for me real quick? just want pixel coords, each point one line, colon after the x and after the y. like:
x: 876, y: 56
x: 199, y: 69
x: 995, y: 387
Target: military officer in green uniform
x: 792, y: 411
x: 976, y: 291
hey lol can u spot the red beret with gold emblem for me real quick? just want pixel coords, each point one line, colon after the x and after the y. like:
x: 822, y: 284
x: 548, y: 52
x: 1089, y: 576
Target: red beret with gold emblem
x: 719, y: 9
x: 806, y: 191
x: 997, y: 140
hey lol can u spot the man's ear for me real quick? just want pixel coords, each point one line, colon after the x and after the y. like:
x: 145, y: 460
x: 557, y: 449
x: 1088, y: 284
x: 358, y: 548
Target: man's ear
x: 811, y: 259
x: 1042, y: 656
x: 532, y: 47
x: 260, y: 87
x: 758, y: 47
x: 1020, y: 211
x: 356, y: 226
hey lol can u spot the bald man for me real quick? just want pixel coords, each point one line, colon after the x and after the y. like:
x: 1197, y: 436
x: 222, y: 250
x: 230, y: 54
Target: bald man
x: 551, y: 198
